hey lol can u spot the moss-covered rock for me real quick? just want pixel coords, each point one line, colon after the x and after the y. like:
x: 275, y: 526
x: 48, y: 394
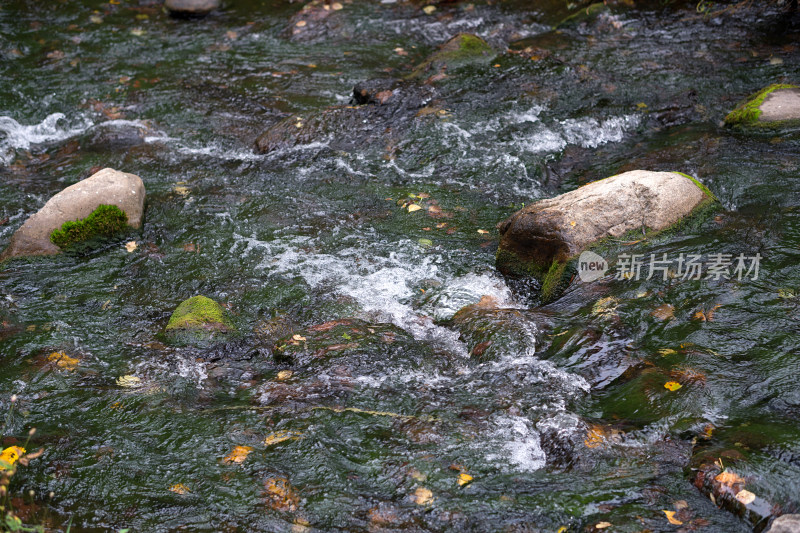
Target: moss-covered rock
x: 585, y: 14
x: 771, y: 106
x: 461, y: 50
x: 105, y: 221
x: 198, y: 318
x: 99, y: 206
x: 542, y: 239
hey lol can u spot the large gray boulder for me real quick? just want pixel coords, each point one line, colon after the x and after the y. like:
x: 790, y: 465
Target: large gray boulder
x: 541, y: 238
x: 776, y: 105
x: 77, y: 202
x: 191, y: 7
x: 788, y: 523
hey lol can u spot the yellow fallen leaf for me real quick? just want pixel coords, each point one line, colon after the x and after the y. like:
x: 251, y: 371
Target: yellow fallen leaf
x: 281, y: 436
x: 464, y: 479
x: 572, y: 223
x: 594, y: 437
x: 10, y: 455
x: 745, y: 497
x: 603, y: 525
x: 429, y: 9
x: 671, y: 517
x: 96, y: 19
x: 300, y: 23
x: 483, y: 231
x: 180, y: 189
x: 238, y: 454
x: 336, y: 6
x: 413, y: 207
x: 179, y: 488
x: 729, y: 478
x: 422, y: 496
x: 64, y: 361
x: 129, y: 382
x: 130, y: 246
x: 283, y: 375
x: 137, y: 32
x: 672, y: 385
x: 298, y: 338
x: 666, y: 351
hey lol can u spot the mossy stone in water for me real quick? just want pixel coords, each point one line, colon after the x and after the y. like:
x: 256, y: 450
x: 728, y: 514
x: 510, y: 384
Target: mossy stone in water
x: 104, y: 222
x: 198, y: 318
x: 749, y: 112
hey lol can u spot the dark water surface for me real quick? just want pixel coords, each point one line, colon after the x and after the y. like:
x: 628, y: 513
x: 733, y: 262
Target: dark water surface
x: 564, y: 422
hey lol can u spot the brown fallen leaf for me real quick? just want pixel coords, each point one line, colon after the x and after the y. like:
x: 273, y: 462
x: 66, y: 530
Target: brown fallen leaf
x: 663, y: 312
x: 238, y: 454
x: 280, y: 494
x: 422, y: 496
x: 729, y: 478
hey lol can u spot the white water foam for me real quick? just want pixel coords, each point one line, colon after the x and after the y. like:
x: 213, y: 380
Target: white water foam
x: 15, y: 136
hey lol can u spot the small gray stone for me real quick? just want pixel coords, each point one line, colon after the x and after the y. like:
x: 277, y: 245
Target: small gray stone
x: 191, y: 7
x: 788, y: 523
x: 76, y: 202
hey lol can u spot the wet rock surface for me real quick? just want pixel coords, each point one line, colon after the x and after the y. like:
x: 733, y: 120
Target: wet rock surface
x: 76, y: 202
x: 777, y: 104
x: 788, y: 523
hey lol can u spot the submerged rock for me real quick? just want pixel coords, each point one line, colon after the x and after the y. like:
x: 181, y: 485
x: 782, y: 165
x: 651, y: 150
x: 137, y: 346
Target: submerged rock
x: 198, y: 318
x: 382, y: 110
x: 585, y: 14
x: 788, y: 523
x: 191, y: 7
x: 776, y: 105
x: 79, y: 206
x: 461, y: 50
x: 540, y: 239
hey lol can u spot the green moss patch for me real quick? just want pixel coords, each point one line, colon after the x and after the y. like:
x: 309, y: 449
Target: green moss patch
x: 748, y: 112
x: 105, y: 221
x: 583, y: 15
x: 461, y: 50
x: 199, y: 313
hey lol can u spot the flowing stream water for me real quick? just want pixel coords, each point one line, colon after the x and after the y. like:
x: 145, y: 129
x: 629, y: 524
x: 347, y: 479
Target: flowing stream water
x: 562, y: 422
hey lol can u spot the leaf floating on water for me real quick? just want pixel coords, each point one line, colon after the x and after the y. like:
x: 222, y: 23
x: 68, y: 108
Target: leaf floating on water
x: 180, y: 189
x: 663, y: 352
x: 238, y: 454
x: 464, y: 479
x: 671, y: 517
x: 745, y: 497
x: 131, y: 246
x: 283, y: 375
x: 280, y: 494
x: 282, y: 436
x: 729, y: 478
x: 130, y: 382
x: 605, y: 307
x: 180, y: 488
x: 138, y: 32
x: 663, y: 312
x: 96, y: 19
x: 336, y: 6
x: 483, y: 231
x: 232, y: 35
x: 298, y: 338
x: 594, y: 437
x: 427, y: 243
x: 429, y: 9
x: 422, y: 496
x: 672, y: 385
x: 62, y: 360
x: 603, y: 525
x: 413, y: 207
x: 300, y: 23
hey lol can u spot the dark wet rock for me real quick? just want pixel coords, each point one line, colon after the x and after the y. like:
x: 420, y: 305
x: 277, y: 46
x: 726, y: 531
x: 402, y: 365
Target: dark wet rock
x: 776, y: 105
x: 319, y: 19
x: 584, y: 15
x: 461, y: 50
x: 388, y: 108
x: 75, y: 203
x: 113, y: 137
x: 489, y: 330
x: 788, y: 523
x: 191, y: 7
x: 540, y: 239
x: 198, y: 319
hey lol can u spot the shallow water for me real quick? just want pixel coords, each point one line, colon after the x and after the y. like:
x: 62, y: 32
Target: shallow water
x: 389, y: 399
